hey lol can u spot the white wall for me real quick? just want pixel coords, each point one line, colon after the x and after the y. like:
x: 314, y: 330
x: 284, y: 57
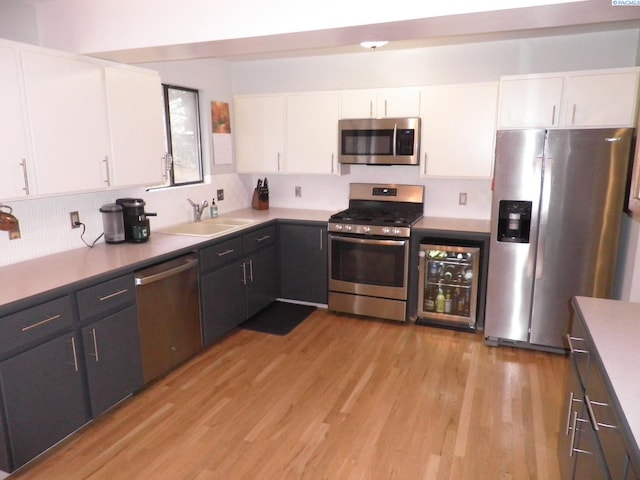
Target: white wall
x: 18, y: 21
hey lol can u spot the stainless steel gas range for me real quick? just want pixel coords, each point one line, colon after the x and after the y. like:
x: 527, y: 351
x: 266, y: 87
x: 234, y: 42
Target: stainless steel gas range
x: 369, y: 250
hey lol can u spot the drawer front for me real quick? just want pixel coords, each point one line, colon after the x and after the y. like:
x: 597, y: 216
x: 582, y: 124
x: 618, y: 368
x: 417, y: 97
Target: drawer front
x: 106, y: 297
x: 259, y: 238
x: 220, y: 253
x: 28, y: 326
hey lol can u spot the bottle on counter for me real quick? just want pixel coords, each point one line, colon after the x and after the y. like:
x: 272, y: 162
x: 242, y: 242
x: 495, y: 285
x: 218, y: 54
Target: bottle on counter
x: 213, y: 209
x: 440, y: 301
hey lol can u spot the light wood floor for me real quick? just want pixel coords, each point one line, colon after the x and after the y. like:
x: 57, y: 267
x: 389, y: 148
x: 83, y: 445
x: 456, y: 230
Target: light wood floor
x: 338, y: 398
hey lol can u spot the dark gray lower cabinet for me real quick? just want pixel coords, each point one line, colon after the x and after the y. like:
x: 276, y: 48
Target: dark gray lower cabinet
x: 303, y: 262
x: 44, y: 396
x: 223, y: 301
x: 234, y: 292
x: 112, y: 357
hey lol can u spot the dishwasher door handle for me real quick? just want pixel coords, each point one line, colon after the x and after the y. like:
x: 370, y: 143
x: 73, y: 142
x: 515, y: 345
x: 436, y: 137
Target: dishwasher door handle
x: 156, y: 277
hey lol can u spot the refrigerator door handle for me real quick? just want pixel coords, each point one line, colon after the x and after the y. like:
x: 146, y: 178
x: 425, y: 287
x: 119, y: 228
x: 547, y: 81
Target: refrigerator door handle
x: 544, y: 215
x: 533, y: 251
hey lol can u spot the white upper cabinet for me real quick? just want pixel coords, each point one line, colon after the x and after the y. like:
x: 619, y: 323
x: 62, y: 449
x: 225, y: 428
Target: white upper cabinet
x: 380, y: 103
x: 312, y: 132
x: 530, y: 102
x: 15, y: 160
x: 588, y: 99
x: 608, y: 99
x: 458, y: 130
x: 68, y: 119
x: 136, y: 124
x: 259, y: 133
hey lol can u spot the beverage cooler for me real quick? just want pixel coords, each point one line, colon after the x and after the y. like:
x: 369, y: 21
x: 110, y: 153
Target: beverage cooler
x: 448, y: 285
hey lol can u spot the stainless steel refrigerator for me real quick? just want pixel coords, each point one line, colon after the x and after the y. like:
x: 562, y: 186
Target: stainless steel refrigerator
x: 556, y: 212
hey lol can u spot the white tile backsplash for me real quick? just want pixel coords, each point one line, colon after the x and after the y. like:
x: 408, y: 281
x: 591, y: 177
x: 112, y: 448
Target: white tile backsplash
x: 46, y: 229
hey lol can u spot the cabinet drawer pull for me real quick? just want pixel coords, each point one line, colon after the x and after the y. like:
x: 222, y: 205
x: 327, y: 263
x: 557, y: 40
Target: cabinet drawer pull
x: 226, y: 252
x: 262, y: 239
x: 41, y: 322
x: 114, y: 294
x: 95, y: 345
x: 578, y: 339
x: 572, y: 448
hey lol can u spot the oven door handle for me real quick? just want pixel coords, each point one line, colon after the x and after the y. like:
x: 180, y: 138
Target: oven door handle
x: 370, y: 241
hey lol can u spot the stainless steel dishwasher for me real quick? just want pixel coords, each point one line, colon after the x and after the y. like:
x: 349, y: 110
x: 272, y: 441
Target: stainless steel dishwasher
x: 168, y: 314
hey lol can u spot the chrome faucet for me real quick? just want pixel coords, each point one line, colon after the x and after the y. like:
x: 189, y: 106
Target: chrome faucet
x: 198, y: 209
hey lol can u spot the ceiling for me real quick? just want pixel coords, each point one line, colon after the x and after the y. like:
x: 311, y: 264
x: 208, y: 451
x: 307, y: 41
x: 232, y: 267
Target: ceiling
x: 559, y: 19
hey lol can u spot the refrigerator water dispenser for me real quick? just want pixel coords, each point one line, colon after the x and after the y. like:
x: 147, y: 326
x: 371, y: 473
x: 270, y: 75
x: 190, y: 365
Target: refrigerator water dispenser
x: 514, y: 221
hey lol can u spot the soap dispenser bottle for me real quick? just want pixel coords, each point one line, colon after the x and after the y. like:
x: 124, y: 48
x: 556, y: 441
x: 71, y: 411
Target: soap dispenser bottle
x: 213, y: 209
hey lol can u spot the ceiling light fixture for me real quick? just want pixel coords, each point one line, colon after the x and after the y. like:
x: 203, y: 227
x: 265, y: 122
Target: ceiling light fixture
x: 374, y: 45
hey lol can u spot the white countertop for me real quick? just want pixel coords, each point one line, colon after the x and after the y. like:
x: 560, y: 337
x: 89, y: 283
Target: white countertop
x: 614, y: 327
x: 40, y: 275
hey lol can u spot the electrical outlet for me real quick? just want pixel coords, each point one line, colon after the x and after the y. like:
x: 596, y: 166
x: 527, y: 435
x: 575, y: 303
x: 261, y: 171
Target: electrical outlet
x: 462, y: 199
x: 220, y: 195
x: 298, y: 191
x: 75, y: 219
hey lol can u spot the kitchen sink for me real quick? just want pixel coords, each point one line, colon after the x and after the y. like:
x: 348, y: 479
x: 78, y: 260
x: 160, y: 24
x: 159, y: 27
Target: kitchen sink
x: 228, y: 221
x: 207, y: 228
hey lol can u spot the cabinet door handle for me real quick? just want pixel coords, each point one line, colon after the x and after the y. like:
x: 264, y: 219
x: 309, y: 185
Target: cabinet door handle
x: 572, y: 446
x: 321, y: 240
x: 571, y: 400
x: 278, y: 161
x: 573, y: 115
x: 244, y: 273
x: 592, y: 416
x: 41, y: 322
x: 106, y: 166
x: 553, y: 115
x: 251, y: 270
x: 25, y: 174
x: 370, y: 108
x: 75, y: 355
x: 114, y: 294
x: 95, y: 345
x: 571, y: 348
x: 332, y: 169
x: 424, y: 170
x: 226, y: 252
x: 385, y: 107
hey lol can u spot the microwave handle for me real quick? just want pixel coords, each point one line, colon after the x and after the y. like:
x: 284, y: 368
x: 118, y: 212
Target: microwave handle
x: 395, y: 138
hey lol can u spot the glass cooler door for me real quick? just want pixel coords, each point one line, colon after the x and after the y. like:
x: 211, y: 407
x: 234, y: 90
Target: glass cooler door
x: 448, y: 286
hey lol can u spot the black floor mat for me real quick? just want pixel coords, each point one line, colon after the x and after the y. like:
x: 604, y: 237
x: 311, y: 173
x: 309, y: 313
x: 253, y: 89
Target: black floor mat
x: 279, y: 318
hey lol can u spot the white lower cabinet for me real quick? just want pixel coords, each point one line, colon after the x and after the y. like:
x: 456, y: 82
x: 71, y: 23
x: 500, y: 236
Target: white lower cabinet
x: 458, y: 130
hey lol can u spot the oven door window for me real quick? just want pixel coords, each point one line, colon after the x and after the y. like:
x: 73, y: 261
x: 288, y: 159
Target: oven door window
x: 369, y: 262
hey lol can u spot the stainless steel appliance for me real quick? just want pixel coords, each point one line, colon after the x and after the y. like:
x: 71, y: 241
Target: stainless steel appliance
x: 448, y: 285
x: 168, y: 314
x: 112, y: 223
x: 136, y: 223
x: 556, y: 213
x: 369, y: 250
x: 379, y: 141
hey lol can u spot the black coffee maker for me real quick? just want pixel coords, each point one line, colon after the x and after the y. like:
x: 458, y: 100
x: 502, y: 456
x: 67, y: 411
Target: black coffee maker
x: 136, y: 223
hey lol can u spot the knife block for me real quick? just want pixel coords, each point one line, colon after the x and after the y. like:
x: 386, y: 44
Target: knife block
x: 259, y: 201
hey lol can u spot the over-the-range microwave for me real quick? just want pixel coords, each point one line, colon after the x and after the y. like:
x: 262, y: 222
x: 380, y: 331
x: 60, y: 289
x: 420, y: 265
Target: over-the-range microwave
x: 379, y: 141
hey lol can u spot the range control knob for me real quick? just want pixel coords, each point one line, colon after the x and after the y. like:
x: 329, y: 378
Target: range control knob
x: 338, y: 226
x: 347, y: 228
x: 386, y: 230
x: 396, y: 231
x: 366, y: 229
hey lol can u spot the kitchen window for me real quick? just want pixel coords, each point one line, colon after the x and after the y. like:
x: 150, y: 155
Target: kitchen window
x: 182, y: 135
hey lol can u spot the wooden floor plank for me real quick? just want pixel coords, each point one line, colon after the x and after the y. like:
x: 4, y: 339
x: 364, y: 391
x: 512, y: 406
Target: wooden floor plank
x: 338, y: 398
